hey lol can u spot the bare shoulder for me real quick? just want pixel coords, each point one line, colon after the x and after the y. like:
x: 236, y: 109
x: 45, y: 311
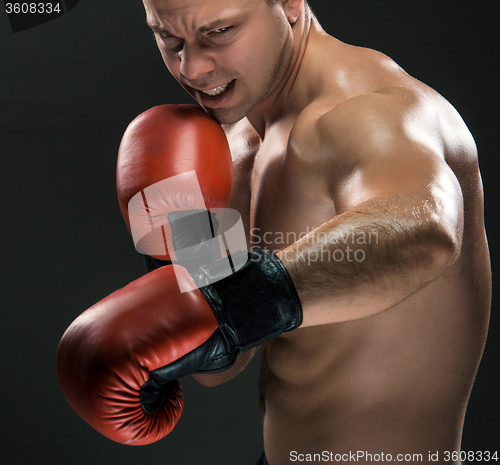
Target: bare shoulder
x: 359, y: 128
x: 372, y: 128
x: 370, y: 106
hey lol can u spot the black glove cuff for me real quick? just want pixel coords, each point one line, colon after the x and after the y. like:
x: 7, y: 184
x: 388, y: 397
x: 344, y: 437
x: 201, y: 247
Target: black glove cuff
x: 255, y: 304
x: 154, y: 263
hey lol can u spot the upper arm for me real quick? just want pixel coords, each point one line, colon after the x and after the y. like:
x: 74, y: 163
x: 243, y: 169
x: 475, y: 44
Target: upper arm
x: 388, y: 147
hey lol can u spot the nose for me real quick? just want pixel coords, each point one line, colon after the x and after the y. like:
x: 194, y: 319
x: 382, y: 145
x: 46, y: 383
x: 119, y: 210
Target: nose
x: 195, y: 62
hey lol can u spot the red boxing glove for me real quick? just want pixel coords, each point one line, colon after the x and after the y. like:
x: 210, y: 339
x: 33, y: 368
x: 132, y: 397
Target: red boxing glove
x: 107, y: 354
x: 118, y: 362
x: 173, y: 164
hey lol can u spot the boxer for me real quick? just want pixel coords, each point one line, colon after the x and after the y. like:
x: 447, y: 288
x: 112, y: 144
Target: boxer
x: 335, y: 150
x: 364, y: 183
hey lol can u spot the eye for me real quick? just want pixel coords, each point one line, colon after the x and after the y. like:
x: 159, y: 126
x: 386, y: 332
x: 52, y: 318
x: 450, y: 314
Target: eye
x: 169, y: 41
x: 221, y: 30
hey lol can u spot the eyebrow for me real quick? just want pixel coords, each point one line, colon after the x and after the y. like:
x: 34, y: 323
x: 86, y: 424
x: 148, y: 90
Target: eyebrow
x: 157, y: 27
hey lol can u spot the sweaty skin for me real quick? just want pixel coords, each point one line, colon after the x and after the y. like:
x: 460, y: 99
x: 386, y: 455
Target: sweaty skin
x: 366, y: 184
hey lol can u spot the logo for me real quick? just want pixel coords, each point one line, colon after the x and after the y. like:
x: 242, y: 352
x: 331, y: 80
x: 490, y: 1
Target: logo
x: 169, y: 221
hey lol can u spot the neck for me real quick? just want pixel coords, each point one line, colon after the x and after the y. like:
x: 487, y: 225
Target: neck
x: 276, y: 106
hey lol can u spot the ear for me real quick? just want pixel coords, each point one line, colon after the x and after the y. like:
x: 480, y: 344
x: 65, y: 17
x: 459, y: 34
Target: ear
x: 292, y: 9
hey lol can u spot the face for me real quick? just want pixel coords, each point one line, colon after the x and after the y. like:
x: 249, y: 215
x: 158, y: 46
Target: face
x: 230, y: 55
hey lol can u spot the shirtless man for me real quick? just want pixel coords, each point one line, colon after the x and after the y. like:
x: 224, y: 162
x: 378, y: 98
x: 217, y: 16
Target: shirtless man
x: 365, y: 183
x: 336, y: 150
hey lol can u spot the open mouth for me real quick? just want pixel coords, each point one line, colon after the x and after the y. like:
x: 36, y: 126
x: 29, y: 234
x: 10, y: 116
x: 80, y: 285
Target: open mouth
x: 217, y: 91
x: 217, y: 97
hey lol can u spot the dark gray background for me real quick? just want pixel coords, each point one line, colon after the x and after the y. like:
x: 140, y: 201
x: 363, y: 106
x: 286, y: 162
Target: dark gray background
x: 68, y: 90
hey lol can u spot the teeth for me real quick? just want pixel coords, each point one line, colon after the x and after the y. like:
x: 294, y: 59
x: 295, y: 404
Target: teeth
x: 216, y: 91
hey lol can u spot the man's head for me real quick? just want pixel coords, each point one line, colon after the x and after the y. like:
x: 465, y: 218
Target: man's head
x: 229, y: 54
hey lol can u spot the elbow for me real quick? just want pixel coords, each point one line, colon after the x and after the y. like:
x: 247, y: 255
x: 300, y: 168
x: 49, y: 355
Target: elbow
x: 445, y: 247
x: 211, y: 380
x: 444, y: 256
x: 446, y: 221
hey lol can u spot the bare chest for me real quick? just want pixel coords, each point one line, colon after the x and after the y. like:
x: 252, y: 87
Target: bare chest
x: 279, y: 198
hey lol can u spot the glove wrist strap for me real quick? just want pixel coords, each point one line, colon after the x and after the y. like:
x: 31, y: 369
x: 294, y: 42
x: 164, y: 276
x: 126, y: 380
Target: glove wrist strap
x: 257, y: 303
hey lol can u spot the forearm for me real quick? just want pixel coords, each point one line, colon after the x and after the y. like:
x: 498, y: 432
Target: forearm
x: 214, y: 379
x: 369, y: 259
